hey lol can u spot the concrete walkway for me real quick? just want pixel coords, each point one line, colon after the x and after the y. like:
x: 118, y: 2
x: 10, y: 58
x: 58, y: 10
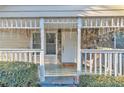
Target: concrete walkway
x: 60, y: 81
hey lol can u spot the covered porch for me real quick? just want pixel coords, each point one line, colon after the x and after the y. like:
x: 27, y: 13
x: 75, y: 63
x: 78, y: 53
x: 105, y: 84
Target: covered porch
x: 65, y: 46
x: 50, y: 42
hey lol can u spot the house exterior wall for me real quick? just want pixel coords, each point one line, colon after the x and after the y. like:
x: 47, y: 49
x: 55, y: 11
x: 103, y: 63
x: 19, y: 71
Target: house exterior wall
x: 15, y: 39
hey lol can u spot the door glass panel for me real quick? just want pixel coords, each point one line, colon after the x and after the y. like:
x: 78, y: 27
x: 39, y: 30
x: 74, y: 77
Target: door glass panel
x: 50, y: 43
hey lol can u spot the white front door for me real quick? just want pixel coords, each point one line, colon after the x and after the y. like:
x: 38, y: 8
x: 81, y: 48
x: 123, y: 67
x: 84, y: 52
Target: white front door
x: 69, y: 46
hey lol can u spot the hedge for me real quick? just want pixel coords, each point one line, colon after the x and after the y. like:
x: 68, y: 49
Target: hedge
x: 18, y: 74
x: 101, y: 81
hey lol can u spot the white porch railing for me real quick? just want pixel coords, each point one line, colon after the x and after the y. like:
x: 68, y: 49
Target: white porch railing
x: 21, y: 55
x: 107, y: 62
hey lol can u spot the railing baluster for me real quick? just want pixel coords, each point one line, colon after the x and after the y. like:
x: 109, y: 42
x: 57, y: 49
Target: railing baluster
x: 90, y: 63
x: 101, y: 24
x: 11, y: 23
x: 30, y: 57
x: 16, y: 24
x: 0, y: 56
x: 100, y: 62
x: 116, y: 63
x: 20, y: 57
x: 6, y: 56
x: 30, y: 23
x: 110, y: 60
x: 85, y: 63
x: 25, y: 23
x: 95, y: 64
x: 3, y: 59
x: 91, y: 23
x: 11, y: 57
x: 35, y: 23
x: 121, y: 22
x: 25, y: 55
x: 21, y: 23
x: 105, y: 64
x: 120, y: 59
x: 112, y: 22
x: 2, y: 23
x: 16, y: 59
x: 35, y: 59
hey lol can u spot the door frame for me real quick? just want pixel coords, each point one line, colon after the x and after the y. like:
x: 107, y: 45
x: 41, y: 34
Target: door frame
x: 51, y: 31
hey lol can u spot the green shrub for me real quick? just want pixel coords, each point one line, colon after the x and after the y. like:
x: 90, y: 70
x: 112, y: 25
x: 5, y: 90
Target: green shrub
x: 18, y: 74
x: 101, y: 81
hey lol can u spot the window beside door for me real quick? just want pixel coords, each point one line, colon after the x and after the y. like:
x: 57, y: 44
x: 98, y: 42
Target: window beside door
x: 36, y: 41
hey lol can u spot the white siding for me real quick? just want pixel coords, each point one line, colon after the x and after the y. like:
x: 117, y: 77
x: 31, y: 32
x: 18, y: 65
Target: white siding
x: 14, y: 39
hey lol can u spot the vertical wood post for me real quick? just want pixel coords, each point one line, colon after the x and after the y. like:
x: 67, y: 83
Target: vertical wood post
x: 79, y: 46
x: 42, y: 68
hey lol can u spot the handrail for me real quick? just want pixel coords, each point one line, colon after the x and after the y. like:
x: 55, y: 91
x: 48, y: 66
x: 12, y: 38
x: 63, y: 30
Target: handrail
x: 22, y: 55
x: 102, y: 50
x: 9, y: 49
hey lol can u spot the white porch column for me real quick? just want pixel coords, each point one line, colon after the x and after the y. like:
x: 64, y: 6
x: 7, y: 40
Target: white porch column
x: 79, y: 46
x: 42, y: 68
